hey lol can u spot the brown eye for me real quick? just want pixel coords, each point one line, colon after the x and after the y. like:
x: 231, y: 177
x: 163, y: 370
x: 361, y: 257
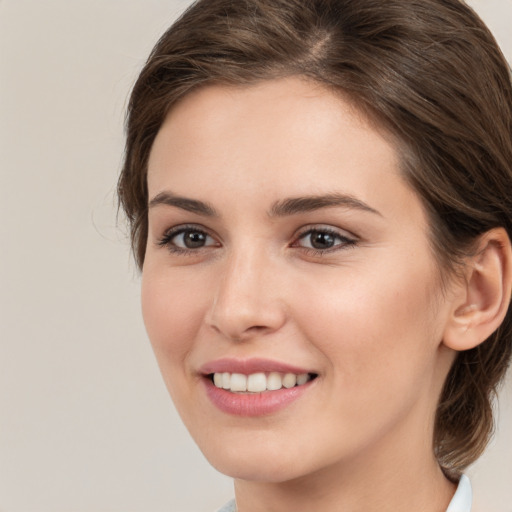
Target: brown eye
x: 321, y: 240
x: 187, y: 239
x: 192, y: 239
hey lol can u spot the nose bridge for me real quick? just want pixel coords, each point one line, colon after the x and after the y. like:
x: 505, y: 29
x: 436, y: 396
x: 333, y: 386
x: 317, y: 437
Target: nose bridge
x: 247, y: 301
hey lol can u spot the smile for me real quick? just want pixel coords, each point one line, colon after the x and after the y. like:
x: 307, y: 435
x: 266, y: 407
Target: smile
x: 255, y: 387
x: 259, y: 382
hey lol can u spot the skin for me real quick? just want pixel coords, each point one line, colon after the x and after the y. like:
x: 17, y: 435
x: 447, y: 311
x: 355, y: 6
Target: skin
x: 368, y: 316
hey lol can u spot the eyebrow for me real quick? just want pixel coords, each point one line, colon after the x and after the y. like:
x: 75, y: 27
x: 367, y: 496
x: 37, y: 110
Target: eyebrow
x: 190, y: 205
x: 283, y: 208
x: 296, y: 205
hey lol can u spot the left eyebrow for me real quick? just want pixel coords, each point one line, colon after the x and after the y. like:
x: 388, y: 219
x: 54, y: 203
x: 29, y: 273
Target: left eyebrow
x: 296, y: 205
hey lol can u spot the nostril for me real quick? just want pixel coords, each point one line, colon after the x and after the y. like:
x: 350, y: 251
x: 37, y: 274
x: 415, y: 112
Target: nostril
x: 258, y: 328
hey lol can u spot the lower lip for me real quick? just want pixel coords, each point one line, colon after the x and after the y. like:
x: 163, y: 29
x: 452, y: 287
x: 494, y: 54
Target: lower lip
x: 253, y: 404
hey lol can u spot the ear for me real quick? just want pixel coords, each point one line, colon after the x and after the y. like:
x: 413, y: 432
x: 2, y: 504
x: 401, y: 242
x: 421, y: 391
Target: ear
x: 482, y: 299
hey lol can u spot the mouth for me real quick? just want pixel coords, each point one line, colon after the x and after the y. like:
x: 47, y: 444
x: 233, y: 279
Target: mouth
x: 255, y: 387
x: 259, y: 382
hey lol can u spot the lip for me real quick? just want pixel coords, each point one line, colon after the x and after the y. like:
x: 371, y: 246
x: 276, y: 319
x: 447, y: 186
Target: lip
x: 248, y: 366
x: 252, y: 404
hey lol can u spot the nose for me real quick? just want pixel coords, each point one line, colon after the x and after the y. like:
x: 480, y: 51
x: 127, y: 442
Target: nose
x: 248, y: 301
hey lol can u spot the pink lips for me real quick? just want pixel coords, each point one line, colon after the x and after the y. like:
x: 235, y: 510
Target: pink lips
x: 248, y: 366
x: 251, y: 404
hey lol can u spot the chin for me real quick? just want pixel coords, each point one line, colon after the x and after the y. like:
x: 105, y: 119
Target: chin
x: 261, y: 461
x: 258, y: 471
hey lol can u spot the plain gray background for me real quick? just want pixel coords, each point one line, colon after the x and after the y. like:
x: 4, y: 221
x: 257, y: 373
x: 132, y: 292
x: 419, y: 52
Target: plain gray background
x: 85, y: 421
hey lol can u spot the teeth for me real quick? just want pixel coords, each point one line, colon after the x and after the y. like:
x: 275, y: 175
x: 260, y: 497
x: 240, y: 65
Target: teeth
x: 259, y: 382
x: 274, y: 381
x: 302, y: 379
x: 218, y: 379
x: 289, y: 380
x: 238, y: 382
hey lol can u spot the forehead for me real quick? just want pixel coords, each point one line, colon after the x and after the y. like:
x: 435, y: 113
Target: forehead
x: 291, y: 125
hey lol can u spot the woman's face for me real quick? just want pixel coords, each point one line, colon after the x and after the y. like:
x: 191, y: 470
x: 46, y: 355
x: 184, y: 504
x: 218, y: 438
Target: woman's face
x: 283, y: 240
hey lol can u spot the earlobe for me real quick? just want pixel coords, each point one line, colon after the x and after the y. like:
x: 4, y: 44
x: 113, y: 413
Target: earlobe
x: 482, y: 300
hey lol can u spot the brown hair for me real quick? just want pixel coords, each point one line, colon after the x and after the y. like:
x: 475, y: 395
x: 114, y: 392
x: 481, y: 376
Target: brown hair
x: 429, y: 70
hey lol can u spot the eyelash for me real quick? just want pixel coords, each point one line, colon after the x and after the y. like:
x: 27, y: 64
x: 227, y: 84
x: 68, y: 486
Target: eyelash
x: 167, y: 239
x: 345, y: 242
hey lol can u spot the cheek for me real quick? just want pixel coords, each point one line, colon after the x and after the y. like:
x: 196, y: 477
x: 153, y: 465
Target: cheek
x: 172, y: 308
x: 377, y: 330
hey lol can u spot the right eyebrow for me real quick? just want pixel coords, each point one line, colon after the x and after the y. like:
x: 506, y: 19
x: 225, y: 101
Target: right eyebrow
x: 190, y: 205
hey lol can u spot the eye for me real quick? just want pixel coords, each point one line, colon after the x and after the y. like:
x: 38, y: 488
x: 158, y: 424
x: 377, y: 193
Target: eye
x: 187, y: 239
x: 323, y: 240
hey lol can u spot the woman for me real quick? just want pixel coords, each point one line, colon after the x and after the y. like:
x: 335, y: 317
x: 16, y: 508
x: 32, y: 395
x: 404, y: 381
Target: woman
x: 319, y: 201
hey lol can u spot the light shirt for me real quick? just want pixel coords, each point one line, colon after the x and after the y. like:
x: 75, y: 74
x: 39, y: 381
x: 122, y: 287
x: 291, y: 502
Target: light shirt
x: 461, y: 501
x: 463, y: 497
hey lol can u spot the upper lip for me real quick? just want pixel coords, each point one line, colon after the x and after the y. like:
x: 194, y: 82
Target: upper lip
x: 248, y: 366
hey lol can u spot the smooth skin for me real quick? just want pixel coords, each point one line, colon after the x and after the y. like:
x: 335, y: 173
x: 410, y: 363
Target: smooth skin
x: 350, y: 290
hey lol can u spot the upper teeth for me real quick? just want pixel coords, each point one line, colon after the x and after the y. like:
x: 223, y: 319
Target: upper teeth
x: 258, y: 382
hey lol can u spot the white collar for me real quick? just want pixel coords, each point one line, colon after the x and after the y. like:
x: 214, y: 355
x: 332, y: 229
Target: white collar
x: 463, y: 497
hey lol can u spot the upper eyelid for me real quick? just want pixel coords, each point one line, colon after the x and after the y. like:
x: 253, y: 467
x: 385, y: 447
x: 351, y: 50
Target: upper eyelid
x: 300, y: 231
x: 343, y: 233
x: 180, y: 228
